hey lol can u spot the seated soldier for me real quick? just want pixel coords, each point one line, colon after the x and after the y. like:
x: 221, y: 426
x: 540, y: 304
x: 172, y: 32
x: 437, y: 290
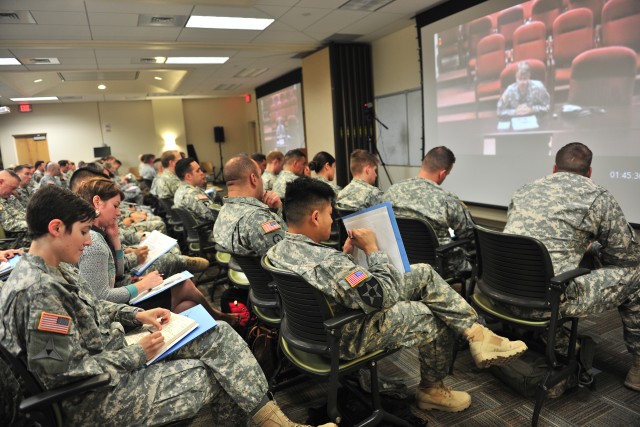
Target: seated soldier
x: 324, y: 166
x: 63, y: 333
x: 190, y: 195
x: 416, y: 309
x: 275, y: 162
x: 26, y: 189
x: 295, y: 165
x: 246, y: 225
x: 361, y: 192
x: 165, y: 185
x: 12, y: 212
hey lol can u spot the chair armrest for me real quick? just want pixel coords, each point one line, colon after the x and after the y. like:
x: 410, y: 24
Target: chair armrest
x: 343, y: 319
x: 202, y: 225
x: 51, y: 396
x: 561, y: 279
x: 440, y: 250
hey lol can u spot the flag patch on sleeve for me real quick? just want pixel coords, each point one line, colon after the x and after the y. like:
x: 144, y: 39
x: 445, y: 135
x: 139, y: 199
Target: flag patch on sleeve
x: 356, y: 277
x: 54, y: 323
x: 270, y: 226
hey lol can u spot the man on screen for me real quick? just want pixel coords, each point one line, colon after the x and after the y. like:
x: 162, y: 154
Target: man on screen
x: 525, y: 96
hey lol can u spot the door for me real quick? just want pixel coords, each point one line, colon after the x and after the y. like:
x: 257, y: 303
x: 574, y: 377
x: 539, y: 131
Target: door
x: 31, y: 148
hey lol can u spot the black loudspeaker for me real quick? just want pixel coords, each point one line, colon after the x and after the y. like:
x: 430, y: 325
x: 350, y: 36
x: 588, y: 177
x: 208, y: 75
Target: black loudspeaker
x: 218, y: 134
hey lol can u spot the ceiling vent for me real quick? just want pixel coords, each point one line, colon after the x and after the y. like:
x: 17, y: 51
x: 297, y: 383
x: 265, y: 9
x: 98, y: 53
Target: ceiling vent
x: 365, y: 5
x: 227, y: 86
x: 251, y: 72
x: 162, y: 20
x: 40, y: 61
x: 159, y: 95
x: 95, y: 76
x: 342, y: 38
x: 16, y: 17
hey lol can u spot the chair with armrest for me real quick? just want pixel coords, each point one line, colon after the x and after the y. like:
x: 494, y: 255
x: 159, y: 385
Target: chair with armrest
x: 39, y: 406
x: 174, y: 224
x: 262, y: 292
x: 196, y: 233
x: 310, y: 336
x: 517, y: 271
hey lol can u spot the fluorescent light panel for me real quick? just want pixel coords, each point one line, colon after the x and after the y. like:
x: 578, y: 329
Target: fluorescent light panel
x: 35, y: 98
x: 228, y: 22
x: 197, y: 60
x: 9, y: 61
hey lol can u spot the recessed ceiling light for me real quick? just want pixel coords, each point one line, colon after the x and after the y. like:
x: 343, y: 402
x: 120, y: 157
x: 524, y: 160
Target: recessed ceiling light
x: 9, y: 61
x: 101, y: 87
x: 158, y: 78
x: 35, y: 98
x: 37, y: 80
x: 197, y: 60
x: 228, y: 22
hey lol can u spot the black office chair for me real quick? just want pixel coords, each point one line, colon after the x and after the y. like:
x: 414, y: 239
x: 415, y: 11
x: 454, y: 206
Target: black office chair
x: 517, y: 271
x: 174, y: 224
x: 197, y: 234
x: 310, y: 336
x: 262, y: 292
x: 41, y: 407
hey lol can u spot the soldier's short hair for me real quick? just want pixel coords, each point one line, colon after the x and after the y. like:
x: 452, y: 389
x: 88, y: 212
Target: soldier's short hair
x: 294, y: 155
x: 274, y: 155
x: 101, y: 187
x: 54, y: 202
x: 258, y: 157
x: 438, y: 158
x: 360, y: 159
x: 183, y: 167
x: 63, y: 163
x: 239, y: 167
x: 168, y: 156
x: 21, y: 167
x: 574, y: 157
x: 83, y: 174
x: 303, y: 196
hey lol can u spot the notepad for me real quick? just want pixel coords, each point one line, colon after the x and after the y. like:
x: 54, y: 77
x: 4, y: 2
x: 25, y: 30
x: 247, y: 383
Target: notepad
x: 158, y: 244
x: 166, y: 284
x: 382, y: 221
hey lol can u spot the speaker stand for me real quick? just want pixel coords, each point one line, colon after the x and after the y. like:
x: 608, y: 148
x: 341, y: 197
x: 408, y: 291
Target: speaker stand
x: 218, y: 177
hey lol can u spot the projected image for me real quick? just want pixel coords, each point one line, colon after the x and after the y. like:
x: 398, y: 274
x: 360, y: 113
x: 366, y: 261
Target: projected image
x: 281, y: 121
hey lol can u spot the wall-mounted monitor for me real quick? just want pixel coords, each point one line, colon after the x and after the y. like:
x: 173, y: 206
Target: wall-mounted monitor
x: 99, y: 152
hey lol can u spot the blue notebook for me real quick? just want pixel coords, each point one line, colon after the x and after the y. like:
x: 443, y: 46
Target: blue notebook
x: 7, y: 267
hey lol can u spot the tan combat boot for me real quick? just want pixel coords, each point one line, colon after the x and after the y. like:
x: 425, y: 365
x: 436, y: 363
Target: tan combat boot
x: 489, y: 349
x: 633, y: 377
x: 442, y: 398
x: 270, y: 415
x: 196, y: 264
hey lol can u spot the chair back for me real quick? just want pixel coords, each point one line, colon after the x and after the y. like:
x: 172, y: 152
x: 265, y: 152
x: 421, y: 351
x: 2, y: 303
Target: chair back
x: 513, y: 270
x: 529, y: 42
x: 261, y: 293
x: 546, y: 11
x: 508, y: 21
x: 305, y: 309
x: 620, y: 21
x: 420, y: 240
x: 189, y: 223
x: 594, y: 5
x: 572, y: 35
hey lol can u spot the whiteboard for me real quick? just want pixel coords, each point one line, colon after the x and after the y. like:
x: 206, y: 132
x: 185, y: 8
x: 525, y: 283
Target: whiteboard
x: 401, y: 144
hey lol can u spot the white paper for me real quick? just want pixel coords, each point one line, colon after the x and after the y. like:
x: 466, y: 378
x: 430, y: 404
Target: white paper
x: 158, y: 245
x: 166, y: 284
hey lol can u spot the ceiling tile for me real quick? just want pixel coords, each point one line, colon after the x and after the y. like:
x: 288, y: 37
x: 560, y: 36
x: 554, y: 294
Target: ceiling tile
x: 114, y: 19
x: 302, y: 17
x: 371, y: 22
x: 336, y: 21
x: 276, y: 2
x: 243, y: 12
x: 50, y: 5
x: 138, y: 7
x: 410, y: 7
x: 60, y: 18
x: 135, y: 33
x: 273, y: 11
x: 216, y: 36
x: 44, y: 32
x: 324, y: 4
x: 284, y: 37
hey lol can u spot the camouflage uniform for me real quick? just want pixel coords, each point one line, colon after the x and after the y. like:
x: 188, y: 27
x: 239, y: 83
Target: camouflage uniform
x: 536, y: 97
x: 165, y: 185
x: 51, y: 180
x: 25, y: 193
x: 37, y: 176
x: 424, y: 199
x: 196, y: 201
x: 268, y: 179
x: 567, y: 213
x: 13, y: 220
x: 417, y: 309
x: 358, y: 195
x: 336, y: 189
x: 246, y: 226
x: 280, y: 184
x: 216, y: 368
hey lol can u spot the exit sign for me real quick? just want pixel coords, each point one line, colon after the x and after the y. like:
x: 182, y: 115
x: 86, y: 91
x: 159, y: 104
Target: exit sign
x: 25, y: 108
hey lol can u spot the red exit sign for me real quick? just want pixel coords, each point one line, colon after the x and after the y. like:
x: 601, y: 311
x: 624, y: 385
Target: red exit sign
x: 26, y: 108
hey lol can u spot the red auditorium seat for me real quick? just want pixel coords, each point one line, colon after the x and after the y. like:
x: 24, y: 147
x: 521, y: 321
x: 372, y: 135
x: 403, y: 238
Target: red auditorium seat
x: 594, y: 5
x: 476, y: 30
x: 508, y: 21
x: 449, y: 46
x: 546, y: 11
x: 529, y: 42
x: 603, y: 77
x: 621, y: 25
x: 572, y: 35
x: 508, y: 75
x: 490, y: 63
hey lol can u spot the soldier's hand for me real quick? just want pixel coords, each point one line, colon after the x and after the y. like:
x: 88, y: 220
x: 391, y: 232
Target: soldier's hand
x: 155, y: 317
x: 348, y: 246
x: 6, y: 255
x: 364, y: 239
x: 149, y: 281
x: 271, y: 199
x: 151, y: 344
x: 141, y: 253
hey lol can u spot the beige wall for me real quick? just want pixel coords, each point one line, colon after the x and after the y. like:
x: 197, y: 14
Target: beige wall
x: 318, y: 103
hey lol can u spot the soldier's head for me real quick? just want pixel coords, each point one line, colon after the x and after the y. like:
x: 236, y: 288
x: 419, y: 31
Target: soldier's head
x: 52, y: 169
x: 84, y: 174
x: 308, y: 208
x: 523, y: 74
x: 39, y: 165
x: 261, y: 160
x: 323, y: 164
x: 275, y: 161
x: 63, y: 219
x: 189, y: 171
x: 437, y: 164
x: 364, y: 166
x: 295, y: 161
x: 242, y: 176
x: 24, y: 172
x: 169, y: 159
x: 64, y: 165
x: 9, y: 183
x: 105, y: 197
x: 574, y: 157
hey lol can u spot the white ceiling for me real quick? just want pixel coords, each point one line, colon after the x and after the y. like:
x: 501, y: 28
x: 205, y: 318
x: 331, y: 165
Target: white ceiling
x: 103, y: 36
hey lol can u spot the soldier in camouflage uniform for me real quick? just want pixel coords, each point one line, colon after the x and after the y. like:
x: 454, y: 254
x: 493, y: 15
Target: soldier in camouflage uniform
x: 324, y: 165
x: 569, y: 214
x: 165, y: 185
x: 26, y: 189
x: 525, y: 96
x: 190, y: 195
x: 52, y: 175
x: 275, y: 162
x: 63, y: 333
x: 246, y: 225
x: 423, y: 197
x: 416, y: 309
x: 361, y: 192
x: 295, y: 163
x: 12, y: 213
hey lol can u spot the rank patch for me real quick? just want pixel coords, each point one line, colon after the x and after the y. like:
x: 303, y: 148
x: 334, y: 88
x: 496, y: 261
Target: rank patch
x: 54, y: 323
x: 270, y: 226
x: 356, y: 277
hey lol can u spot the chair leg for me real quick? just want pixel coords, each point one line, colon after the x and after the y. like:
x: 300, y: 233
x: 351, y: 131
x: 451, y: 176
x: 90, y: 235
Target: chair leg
x: 541, y: 394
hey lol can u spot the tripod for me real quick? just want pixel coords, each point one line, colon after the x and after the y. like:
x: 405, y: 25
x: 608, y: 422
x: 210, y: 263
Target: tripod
x: 373, y: 148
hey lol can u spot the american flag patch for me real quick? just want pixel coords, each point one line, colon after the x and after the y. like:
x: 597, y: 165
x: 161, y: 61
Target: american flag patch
x: 356, y: 277
x: 270, y: 226
x: 54, y: 323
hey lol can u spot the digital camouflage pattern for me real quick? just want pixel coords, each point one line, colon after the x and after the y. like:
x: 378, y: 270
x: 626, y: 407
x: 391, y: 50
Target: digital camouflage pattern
x: 536, y: 97
x: 216, y: 368
x: 280, y: 185
x: 196, y: 201
x: 358, y: 195
x: 13, y: 220
x: 245, y: 226
x: 336, y: 189
x: 567, y: 213
x: 416, y: 309
x: 424, y: 199
x: 165, y: 185
x: 268, y: 179
x: 51, y: 180
x: 23, y: 194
